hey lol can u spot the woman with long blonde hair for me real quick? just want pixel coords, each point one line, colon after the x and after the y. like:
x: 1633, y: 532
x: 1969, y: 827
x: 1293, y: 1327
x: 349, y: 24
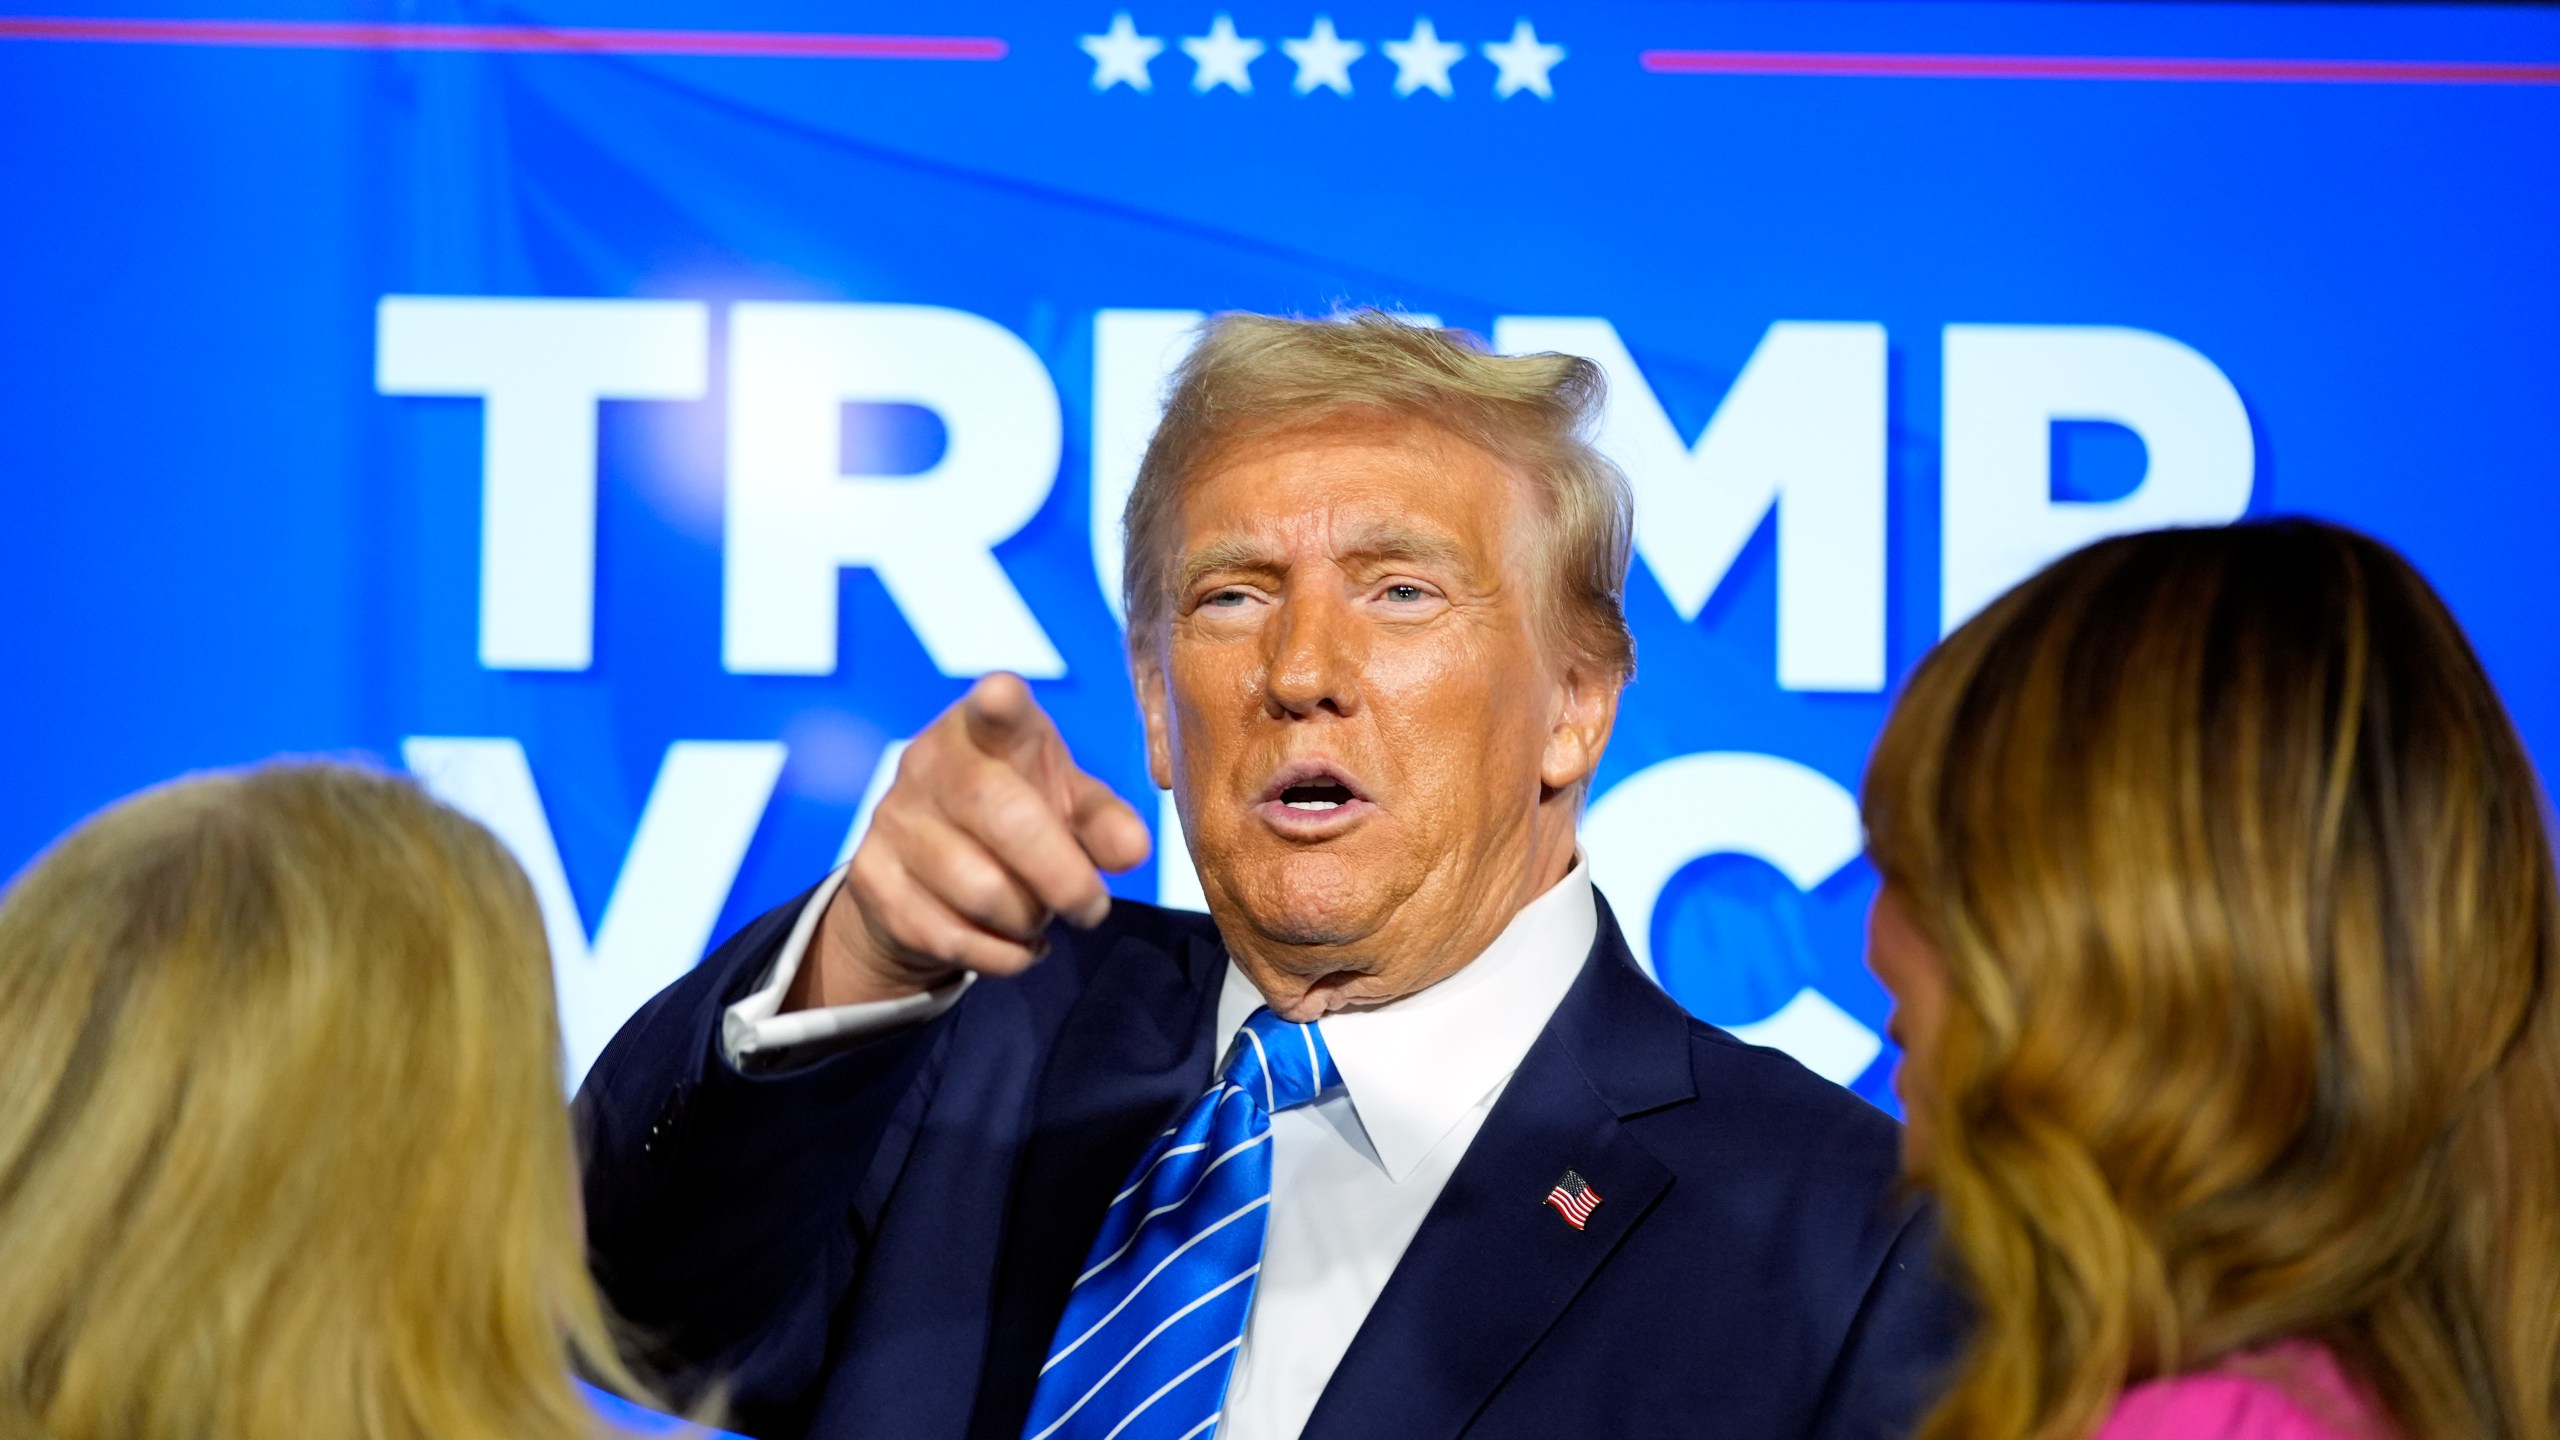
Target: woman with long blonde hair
x: 2220, y: 916
x: 283, y: 1151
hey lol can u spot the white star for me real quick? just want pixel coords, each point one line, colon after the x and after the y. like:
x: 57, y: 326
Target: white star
x: 1524, y: 63
x: 1220, y: 57
x: 1423, y: 59
x: 1120, y: 55
x: 1324, y: 58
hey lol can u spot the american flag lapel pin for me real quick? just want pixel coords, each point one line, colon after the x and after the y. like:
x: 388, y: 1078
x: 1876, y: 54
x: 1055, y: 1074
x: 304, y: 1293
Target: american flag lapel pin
x: 1574, y: 1199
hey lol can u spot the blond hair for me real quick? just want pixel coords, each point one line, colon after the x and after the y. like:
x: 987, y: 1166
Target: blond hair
x: 283, y: 1150
x: 1253, y: 376
x: 2241, y: 879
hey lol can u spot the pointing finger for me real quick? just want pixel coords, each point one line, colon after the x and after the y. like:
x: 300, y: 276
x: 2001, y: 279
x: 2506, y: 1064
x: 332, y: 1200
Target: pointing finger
x: 1003, y: 721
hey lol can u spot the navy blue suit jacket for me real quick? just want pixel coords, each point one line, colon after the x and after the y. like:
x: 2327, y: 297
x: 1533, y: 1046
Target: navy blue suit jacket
x: 880, y: 1243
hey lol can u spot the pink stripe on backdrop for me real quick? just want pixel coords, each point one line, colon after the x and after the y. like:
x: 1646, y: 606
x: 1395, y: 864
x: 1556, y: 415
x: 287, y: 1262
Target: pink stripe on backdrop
x: 2095, y: 67
x: 514, y: 39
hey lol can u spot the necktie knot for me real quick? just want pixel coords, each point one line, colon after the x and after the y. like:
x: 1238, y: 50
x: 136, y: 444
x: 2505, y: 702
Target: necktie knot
x: 1277, y: 1064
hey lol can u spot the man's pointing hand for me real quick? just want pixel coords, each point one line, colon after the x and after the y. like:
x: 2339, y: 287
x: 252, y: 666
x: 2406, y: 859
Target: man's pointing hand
x: 988, y: 832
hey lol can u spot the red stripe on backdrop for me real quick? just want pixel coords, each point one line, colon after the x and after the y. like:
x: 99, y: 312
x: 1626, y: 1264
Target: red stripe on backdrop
x: 2095, y: 67
x: 512, y: 39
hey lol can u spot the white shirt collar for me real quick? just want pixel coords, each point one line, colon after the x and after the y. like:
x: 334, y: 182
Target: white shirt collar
x: 1415, y: 1066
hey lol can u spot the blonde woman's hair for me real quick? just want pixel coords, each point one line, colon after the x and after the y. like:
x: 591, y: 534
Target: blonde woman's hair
x: 283, y: 1150
x: 2240, y: 875
x: 1253, y: 376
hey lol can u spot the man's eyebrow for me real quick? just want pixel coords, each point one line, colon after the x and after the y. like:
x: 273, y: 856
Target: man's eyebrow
x: 1381, y: 541
x: 1232, y: 552
x: 1389, y: 541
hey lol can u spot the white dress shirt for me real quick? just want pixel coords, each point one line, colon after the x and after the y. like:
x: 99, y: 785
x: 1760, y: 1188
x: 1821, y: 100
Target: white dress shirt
x: 1353, y: 1175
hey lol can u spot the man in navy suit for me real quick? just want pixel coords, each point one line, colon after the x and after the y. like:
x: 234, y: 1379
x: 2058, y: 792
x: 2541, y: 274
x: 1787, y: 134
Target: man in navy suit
x: 1396, y: 1141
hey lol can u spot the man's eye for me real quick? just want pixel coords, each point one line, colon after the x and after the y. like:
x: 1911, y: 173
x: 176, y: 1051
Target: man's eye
x: 1225, y: 598
x: 1404, y: 594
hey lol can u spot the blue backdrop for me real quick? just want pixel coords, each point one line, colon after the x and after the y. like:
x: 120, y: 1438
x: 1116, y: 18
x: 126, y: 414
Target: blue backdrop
x: 867, y: 304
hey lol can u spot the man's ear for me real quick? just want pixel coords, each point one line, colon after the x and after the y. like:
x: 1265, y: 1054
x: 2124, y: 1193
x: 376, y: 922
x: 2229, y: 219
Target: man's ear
x: 1146, y: 665
x: 1586, y: 709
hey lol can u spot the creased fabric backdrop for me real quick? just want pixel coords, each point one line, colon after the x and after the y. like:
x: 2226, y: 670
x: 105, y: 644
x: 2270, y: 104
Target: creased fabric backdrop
x: 1897, y: 300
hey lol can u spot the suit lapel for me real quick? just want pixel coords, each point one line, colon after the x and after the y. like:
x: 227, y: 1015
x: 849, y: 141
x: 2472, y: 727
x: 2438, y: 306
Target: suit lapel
x: 1493, y: 1267
x: 1132, y: 1050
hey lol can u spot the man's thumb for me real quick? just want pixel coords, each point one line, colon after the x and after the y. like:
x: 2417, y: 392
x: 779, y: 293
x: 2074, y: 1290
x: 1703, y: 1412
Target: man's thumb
x: 1111, y: 833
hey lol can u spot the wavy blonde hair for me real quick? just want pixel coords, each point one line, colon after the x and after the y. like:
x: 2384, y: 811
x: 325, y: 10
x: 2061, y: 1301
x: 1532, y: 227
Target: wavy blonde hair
x: 2240, y: 876
x: 282, y: 1145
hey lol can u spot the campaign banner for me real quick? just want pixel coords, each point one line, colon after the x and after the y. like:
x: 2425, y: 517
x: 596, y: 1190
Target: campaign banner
x: 639, y: 420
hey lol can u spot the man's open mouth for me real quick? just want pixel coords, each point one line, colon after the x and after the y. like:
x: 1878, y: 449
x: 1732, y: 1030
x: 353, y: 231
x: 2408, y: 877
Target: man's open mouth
x: 1315, y: 789
x: 1321, y: 794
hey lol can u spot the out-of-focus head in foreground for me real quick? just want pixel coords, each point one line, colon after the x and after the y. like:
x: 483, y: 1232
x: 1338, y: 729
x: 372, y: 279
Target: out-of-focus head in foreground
x: 2220, y: 913
x: 282, y: 1145
x: 1374, y: 593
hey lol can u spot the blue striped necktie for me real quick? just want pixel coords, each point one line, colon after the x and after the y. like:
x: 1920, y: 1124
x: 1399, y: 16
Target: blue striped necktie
x: 1152, y: 1327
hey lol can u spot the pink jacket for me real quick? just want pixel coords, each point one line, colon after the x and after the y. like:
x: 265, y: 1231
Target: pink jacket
x: 2291, y: 1391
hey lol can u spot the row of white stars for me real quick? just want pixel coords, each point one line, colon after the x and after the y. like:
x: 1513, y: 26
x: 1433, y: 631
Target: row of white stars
x: 1222, y: 57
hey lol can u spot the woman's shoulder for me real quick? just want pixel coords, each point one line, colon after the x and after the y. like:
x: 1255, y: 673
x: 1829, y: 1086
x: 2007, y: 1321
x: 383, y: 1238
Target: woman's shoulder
x: 2293, y: 1391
